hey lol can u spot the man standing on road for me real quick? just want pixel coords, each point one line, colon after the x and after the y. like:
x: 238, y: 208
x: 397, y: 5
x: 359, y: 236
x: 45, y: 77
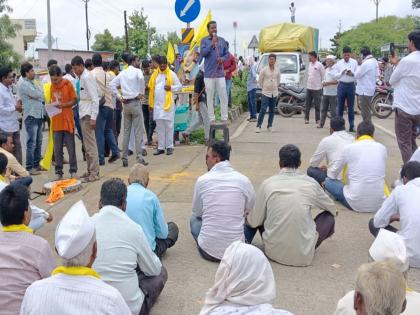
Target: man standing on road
x: 366, y: 75
x: 251, y: 86
x: 88, y: 111
x: 131, y: 81
x: 269, y: 81
x: 9, y: 109
x: 103, y: 131
x: 316, y: 74
x: 215, y: 51
x: 406, y: 82
x: 32, y: 97
x: 346, y: 89
x: 329, y: 84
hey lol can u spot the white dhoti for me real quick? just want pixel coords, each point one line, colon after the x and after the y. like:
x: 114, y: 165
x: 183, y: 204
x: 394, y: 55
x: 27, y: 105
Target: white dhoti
x: 165, y: 131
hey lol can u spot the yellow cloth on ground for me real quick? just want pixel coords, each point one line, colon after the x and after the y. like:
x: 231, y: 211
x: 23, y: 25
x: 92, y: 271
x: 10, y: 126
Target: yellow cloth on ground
x: 387, y: 191
x: 75, y: 271
x: 17, y: 228
x: 57, y: 189
x: 168, y: 94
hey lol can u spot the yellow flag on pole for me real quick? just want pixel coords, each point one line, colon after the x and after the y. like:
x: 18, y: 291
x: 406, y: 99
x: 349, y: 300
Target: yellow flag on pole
x: 201, y: 32
x: 170, y: 55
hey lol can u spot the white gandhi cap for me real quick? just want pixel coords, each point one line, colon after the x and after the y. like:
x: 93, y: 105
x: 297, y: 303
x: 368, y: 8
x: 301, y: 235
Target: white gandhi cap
x: 390, y: 245
x: 74, y: 232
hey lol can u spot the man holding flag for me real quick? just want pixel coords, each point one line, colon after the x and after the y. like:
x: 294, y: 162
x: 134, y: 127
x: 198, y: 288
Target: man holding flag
x: 215, y: 51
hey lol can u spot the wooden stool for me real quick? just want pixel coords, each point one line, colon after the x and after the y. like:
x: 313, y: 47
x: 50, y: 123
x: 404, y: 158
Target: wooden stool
x: 219, y: 126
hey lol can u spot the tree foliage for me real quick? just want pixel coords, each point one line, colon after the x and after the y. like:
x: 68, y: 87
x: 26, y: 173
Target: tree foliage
x: 8, y: 57
x: 139, y: 30
x: 416, y: 4
x: 375, y: 34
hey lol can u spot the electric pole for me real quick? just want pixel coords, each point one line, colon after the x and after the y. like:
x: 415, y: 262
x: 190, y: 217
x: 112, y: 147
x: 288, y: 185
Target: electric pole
x: 49, y: 30
x: 148, y: 38
x: 340, y: 26
x: 126, y: 31
x: 235, y: 26
x: 376, y: 2
x: 87, y: 24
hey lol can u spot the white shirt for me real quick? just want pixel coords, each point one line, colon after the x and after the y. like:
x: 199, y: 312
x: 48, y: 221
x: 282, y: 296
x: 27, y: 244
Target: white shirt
x: 416, y: 155
x: 366, y: 75
x: 366, y: 167
x: 405, y: 201
x: 316, y: 72
x: 69, y: 77
x: 8, y: 114
x: 261, y: 309
x: 345, y: 305
x: 343, y: 65
x: 122, y: 246
x: 330, y: 149
x: 160, y: 95
x: 406, y: 83
x: 89, y: 99
x: 293, y: 10
x: 131, y: 81
x: 67, y: 295
x: 222, y: 198
x: 330, y: 74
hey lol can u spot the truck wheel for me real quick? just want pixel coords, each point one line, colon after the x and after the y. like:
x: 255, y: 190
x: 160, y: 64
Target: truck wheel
x: 285, y: 110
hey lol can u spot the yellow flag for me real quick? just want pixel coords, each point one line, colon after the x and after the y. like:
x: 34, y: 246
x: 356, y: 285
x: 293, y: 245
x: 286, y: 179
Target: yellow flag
x: 201, y: 32
x: 170, y: 55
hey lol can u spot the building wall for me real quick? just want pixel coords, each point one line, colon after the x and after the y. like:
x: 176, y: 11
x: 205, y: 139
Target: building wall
x: 25, y: 35
x: 64, y: 56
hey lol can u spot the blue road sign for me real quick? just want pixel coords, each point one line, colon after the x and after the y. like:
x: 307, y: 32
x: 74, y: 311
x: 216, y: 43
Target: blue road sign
x: 187, y: 10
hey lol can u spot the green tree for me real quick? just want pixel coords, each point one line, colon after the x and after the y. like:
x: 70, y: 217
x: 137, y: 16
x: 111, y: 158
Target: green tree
x: 416, y: 4
x: 374, y: 35
x: 106, y: 42
x: 8, y: 57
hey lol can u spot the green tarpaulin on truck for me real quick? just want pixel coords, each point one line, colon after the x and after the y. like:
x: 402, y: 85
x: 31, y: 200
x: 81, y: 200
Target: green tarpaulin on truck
x: 288, y: 37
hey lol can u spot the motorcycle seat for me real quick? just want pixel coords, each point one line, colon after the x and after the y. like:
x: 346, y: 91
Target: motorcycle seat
x: 296, y: 89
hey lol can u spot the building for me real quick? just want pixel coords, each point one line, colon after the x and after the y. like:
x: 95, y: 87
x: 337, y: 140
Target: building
x: 64, y: 56
x: 25, y: 35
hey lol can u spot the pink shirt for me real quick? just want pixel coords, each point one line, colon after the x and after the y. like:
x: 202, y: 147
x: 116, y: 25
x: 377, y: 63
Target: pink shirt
x: 24, y: 258
x: 316, y: 74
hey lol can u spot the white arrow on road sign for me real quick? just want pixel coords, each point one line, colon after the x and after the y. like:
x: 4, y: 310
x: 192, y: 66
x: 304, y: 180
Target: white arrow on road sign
x: 187, y: 7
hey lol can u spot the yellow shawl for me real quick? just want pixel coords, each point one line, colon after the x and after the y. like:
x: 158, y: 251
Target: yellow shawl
x: 152, y: 83
x: 17, y: 228
x: 76, y: 271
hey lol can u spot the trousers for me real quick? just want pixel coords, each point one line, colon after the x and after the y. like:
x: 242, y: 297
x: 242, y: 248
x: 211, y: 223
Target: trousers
x: 62, y: 138
x: 163, y: 244
x: 364, y: 102
x: 151, y: 287
x: 165, y: 131
x: 195, y: 226
x: 33, y: 142
x: 346, y: 91
x: 313, y: 97
x: 89, y: 143
x: 406, y: 131
x: 213, y: 86
x: 133, y: 119
x: 203, y: 119
x: 329, y: 103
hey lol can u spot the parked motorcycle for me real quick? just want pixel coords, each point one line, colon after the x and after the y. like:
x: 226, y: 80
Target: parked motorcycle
x: 382, y: 101
x: 291, y: 100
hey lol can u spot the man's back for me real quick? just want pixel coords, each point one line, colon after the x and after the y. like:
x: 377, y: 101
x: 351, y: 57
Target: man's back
x: 131, y: 81
x: 122, y: 246
x: 222, y: 197
x: 24, y: 258
x: 67, y: 295
x: 284, y: 205
x: 366, y: 167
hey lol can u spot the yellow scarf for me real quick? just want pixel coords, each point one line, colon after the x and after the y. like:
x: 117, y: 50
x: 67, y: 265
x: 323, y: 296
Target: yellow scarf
x: 387, y: 191
x: 3, y: 179
x: 152, y: 82
x: 76, y: 271
x: 17, y: 228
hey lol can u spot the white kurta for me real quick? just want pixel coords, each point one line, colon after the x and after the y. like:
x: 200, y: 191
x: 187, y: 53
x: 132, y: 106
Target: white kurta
x: 160, y: 95
x: 63, y: 294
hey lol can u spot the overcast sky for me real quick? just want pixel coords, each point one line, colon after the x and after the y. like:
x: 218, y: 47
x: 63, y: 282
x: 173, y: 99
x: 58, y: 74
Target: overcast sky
x: 68, y: 17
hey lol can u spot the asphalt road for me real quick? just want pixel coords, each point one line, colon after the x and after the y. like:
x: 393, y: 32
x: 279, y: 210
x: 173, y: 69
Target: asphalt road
x: 311, y: 290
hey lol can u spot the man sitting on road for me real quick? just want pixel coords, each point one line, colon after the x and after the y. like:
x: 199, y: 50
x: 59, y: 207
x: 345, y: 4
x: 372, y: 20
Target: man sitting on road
x: 143, y: 207
x: 329, y: 149
x: 15, y: 172
x: 403, y: 205
x: 125, y: 260
x: 74, y: 288
x: 387, y: 248
x: 283, y: 215
x: 24, y: 257
x: 365, y: 174
x: 222, y: 198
